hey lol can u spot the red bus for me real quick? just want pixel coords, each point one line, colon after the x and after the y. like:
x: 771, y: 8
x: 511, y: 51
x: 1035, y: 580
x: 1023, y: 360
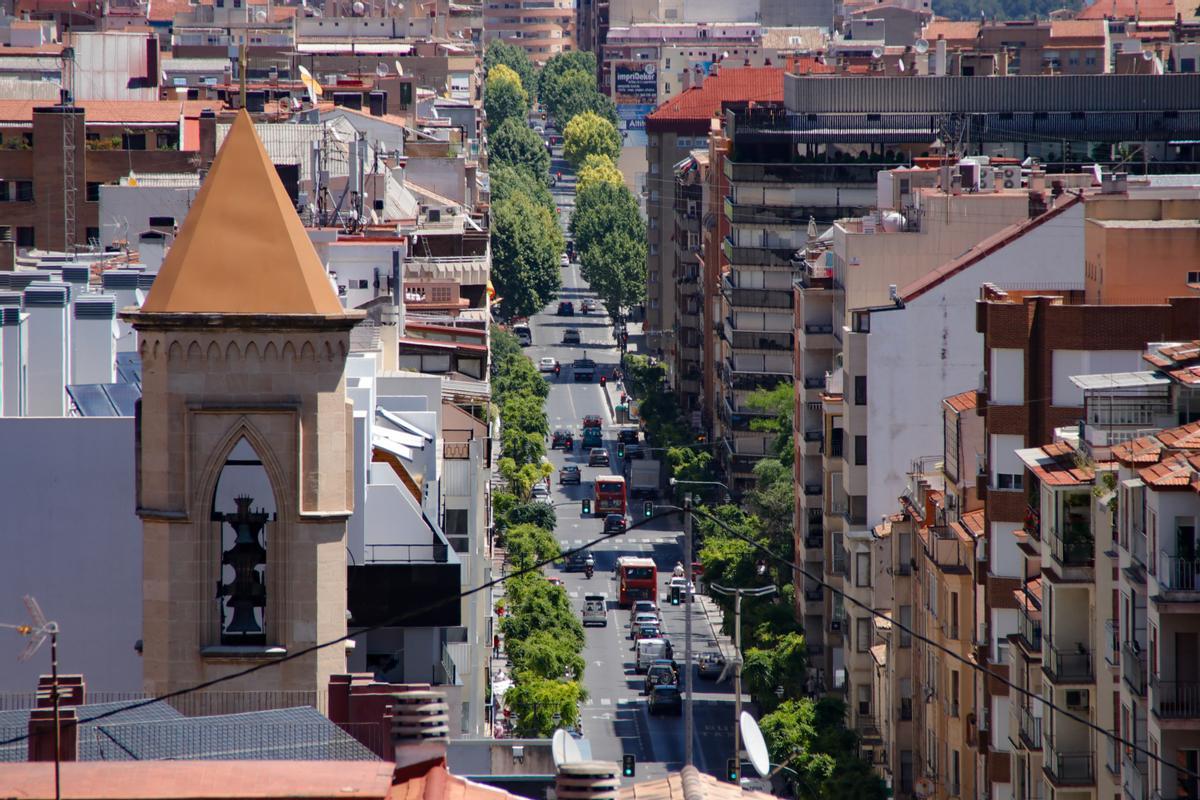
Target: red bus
x: 610, y: 495
x: 639, y: 580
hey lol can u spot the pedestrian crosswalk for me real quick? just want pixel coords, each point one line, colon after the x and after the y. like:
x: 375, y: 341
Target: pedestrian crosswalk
x: 624, y: 540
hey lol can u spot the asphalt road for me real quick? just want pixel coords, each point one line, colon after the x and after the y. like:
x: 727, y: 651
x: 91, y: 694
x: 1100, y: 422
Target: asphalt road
x: 615, y: 719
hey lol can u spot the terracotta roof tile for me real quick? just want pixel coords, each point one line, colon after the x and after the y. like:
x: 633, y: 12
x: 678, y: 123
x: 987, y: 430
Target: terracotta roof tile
x: 1189, y: 375
x: 1077, y: 30
x: 1056, y: 465
x: 700, y: 103
x: 115, y: 111
x: 809, y: 65
x: 689, y: 784
x: 953, y: 31
x: 973, y: 522
x: 1173, y: 472
x: 964, y: 401
x: 1185, y: 437
x: 1129, y: 9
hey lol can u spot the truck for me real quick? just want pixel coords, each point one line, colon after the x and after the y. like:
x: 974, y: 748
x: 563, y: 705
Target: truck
x: 583, y: 369
x: 644, y: 477
x: 593, y: 435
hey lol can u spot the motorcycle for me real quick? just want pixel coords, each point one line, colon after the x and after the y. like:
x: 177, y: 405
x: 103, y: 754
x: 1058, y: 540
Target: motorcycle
x: 588, y: 570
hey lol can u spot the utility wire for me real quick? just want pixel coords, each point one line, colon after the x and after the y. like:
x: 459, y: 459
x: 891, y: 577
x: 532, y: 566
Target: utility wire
x: 926, y: 640
x: 385, y: 624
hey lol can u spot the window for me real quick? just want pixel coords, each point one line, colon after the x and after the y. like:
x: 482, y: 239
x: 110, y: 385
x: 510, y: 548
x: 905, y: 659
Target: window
x: 25, y: 237
x: 906, y: 621
x: 954, y: 616
x: 905, y: 698
x: 1193, y: 277
x: 860, y: 451
x: 93, y: 235
x: 455, y: 527
x: 133, y: 141
x: 93, y: 192
x: 862, y: 636
x: 166, y: 141
x: 243, y: 509
x: 1007, y: 481
x: 653, y: 248
x: 862, y: 569
x: 860, y: 390
x: 24, y: 191
x: 906, y: 771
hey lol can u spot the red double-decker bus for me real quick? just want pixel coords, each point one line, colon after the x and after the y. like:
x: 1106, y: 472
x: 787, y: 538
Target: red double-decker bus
x: 638, y: 578
x: 610, y: 495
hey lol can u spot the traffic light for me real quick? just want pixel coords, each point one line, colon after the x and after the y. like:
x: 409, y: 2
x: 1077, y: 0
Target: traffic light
x: 587, y: 507
x: 620, y: 450
x: 731, y: 770
x: 674, y: 595
x: 648, y: 509
x: 628, y: 766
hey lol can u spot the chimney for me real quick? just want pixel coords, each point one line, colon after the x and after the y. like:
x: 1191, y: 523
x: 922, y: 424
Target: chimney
x: 41, y: 735
x: 72, y: 691
x: 208, y: 137
x: 49, y: 363
x: 8, y: 251
x: 14, y: 355
x: 939, y: 68
x: 93, y: 347
x: 420, y: 726
x: 587, y: 780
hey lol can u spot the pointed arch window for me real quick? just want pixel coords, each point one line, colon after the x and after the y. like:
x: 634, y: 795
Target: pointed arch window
x: 243, y: 508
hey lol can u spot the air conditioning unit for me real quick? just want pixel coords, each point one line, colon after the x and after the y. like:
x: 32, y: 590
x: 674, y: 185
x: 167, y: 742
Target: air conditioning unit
x: 987, y: 179
x: 1077, y: 698
x: 1010, y: 176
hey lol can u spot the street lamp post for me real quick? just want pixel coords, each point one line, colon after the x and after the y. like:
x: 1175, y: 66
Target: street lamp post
x: 737, y: 594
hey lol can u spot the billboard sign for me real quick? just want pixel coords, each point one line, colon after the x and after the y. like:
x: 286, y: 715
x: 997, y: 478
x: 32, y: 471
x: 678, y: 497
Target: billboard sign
x: 635, y: 83
x: 631, y: 122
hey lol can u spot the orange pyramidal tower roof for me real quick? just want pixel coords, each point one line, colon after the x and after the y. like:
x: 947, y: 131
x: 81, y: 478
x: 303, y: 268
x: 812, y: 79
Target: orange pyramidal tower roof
x: 242, y: 248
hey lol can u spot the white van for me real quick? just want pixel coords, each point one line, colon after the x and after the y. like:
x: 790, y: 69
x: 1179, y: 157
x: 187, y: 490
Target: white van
x: 648, y: 651
x: 595, y: 610
x: 523, y: 334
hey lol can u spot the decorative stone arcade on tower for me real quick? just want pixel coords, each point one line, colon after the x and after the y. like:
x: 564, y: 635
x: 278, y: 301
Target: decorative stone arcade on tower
x: 245, y: 456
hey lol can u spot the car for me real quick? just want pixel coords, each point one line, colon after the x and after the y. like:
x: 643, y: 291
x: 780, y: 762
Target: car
x: 569, y: 474
x: 555, y: 581
x: 587, y: 307
x: 660, y: 673
x: 564, y: 260
x: 710, y: 665
x: 614, y: 523
x: 595, y: 610
x: 646, y: 618
x: 571, y: 336
x: 592, y: 421
x: 635, y: 451
x: 649, y: 630
x: 598, y: 457
x: 627, y: 435
x: 566, y: 309
x: 643, y: 607
x: 541, y: 491
x: 576, y: 562
x: 665, y: 699
x: 683, y: 585
x: 562, y: 438
x: 547, y: 364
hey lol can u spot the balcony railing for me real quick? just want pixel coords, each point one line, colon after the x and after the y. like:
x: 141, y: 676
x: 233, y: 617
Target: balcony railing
x: 1072, y: 545
x: 1112, y: 642
x: 1133, y: 667
x: 1137, y: 546
x: 1175, y: 699
x: 1070, y: 666
x: 1071, y: 768
x: 839, y: 561
x: 812, y: 489
x: 758, y: 298
x: 867, y: 726
x: 947, y: 551
x: 1029, y: 629
x: 757, y: 256
x: 1178, y: 574
x: 1113, y: 762
x: 741, y: 213
x: 1030, y: 728
x: 817, y: 329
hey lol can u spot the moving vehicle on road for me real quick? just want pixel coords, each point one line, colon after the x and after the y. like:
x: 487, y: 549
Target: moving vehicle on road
x: 637, y: 577
x: 665, y: 700
x: 576, y: 562
x: 566, y: 309
x: 627, y: 435
x: 569, y: 474
x: 643, y: 607
x: 595, y: 610
x: 571, y: 336
x: 564, y: 260
x: 710, y: 665
x: 644, y: 476
x: 660, y: 673
x: 587, y: 307
x: 583, y: 369
x: 562, y: 438
x: 610, y: 494
x: 547, y: 364
x: 614, y: 523
x: 644, y: 618
x: 540, y: 491
x: 598, y: 457
x: 523, y: 334
x: 647, y: 630
x: 647, y: 651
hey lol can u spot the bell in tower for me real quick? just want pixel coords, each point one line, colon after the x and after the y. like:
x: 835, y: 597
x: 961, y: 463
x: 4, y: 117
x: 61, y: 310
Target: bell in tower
x: 246, y: 594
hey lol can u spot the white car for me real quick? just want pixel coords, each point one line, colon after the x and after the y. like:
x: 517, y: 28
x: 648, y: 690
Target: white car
x: 541, y: 491
x: 564, y: 260
x: 547, y: 364
x: 683, y: 584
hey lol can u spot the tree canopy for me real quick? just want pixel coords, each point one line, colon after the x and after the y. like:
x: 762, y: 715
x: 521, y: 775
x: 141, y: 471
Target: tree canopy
x: 575, y: 93
x: 504, y: 97
x: 516, y: 144
x: 526, y: 245
x: 596, y: 169
x: 589, y: 134
x: 616, y: 269
x: 515, y: 58
x: 508, y: 180
x: 602, y: 208
x: 575, y: 60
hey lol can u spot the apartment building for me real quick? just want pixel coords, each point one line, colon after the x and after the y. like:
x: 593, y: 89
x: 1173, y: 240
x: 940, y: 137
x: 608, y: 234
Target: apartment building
x: 543, y: 28
x: 674, y: 130
x: 1023, y: 47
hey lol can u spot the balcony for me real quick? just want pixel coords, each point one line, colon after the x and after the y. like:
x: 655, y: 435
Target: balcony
x: 1137, y: 546
x: 756, y: 339
x: 812, y: 443
x: 1069, y: 666
x: 951, y: 555
x: 814, y: 541
x: 814, y: 595
x: 757, y: 298
x: 1029, y: 631
x: 1175, y: 699
x: 817, y: 336
x: 1133, y: 667
x: 1176, y: 574
x: 1113, y: 762
x: 760, y: 256
x: 1029, y: 728
x: 867, y: 727
x: 1112, y: 642
x: 1071, y: 545
x: 1070, y: 768
x: 812, y: 172
x: 740, y: 213
x: 812, y: 489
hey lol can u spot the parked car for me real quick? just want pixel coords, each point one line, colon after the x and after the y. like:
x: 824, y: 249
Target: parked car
x: 710, y: 665
x: 571, y: 336
x: 566, y: 309
x: 576, y: 562
x: 660, y: 673
x: 547, y: 364
x: 665, y: 700
x: 614, y: 523
x: 569, y: 474
x: 598, y: 457
x: 562, y: 438
x: 564, y: 260
x: 541, y: 491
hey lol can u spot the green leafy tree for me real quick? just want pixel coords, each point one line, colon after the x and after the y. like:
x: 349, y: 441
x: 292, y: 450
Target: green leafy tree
x: 574, y: 93
x: 546, y: 655
x: 522, y: 478
x: 528, y: 544
x: 540, y: 514
x: 773, y: 502
x: 508, y: 181
x: 515, y: 58
x: 516, y: 144
x: 524, y: 412
x: 597, y: 168
x: 541, y: 705
x: 522, y: 447
x: 504, y: 98
x: 503, y: 343
x: 781, y: 662
x: 526, y: 245
x: 791, y: 735
x: 730, y: 560
x: 779, y: 406
x: 589, y: 134
x: 516, y: 374
x: 602, y: 208
x: 642, y: 377
x: 615, y: 267
x: 538, y: 604
x: 556, y: 67
x: 692, y: 464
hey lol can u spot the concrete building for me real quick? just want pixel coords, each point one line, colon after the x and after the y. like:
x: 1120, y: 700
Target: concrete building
x: 1022, y: 47
x: 542, y: 29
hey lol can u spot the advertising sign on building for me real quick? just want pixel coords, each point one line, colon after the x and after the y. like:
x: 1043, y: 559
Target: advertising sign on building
x: 635, y: 83
x: 631, y: 122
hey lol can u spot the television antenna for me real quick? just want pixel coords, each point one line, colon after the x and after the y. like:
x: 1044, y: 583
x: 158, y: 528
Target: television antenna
x: 39, y: 629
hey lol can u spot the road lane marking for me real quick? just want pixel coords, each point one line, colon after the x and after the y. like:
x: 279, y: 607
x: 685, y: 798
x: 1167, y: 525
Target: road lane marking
x: 604, y: 701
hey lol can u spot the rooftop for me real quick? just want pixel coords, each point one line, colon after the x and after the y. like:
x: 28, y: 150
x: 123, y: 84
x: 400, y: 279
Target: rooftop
x: 964, y: 401
x: 1129, y: 9
x: 740, y: 84
x: 1057, y: 465
x: 1119, y: 380
x: 1150, y: 449
x: 112, y: 112
x: 688, y: 784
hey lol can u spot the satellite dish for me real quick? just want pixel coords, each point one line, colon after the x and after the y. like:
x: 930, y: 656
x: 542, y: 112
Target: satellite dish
x: 923, y: 787
x: 922, y: 46
x: 381, y: 69
x: 565, y: 748
x: 877, y: 53
x: 756, y: 746
x: 260, y: 15
x: 359, y: 8
x: 1147, y: 55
